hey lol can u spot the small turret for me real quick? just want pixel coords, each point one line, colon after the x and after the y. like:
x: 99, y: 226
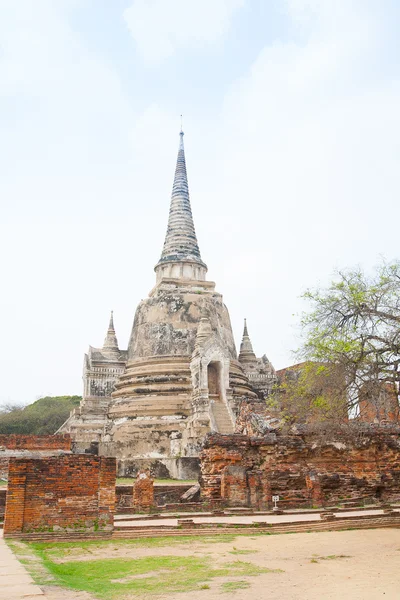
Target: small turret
x: 246, y: 349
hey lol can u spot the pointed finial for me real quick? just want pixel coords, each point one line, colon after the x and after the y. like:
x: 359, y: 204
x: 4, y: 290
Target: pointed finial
x: 245, y: 332
x: 110, y: 346
x: 246, y: 348
x: 182, y: 124
x: 181, y: 134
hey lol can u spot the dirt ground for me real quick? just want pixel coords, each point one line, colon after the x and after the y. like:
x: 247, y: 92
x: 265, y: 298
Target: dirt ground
x: 356, y: 565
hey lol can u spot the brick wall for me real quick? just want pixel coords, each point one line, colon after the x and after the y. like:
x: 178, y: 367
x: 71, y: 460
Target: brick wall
x: 35, y: 442
x: 143, y: 491
x: 238, y: 470
x: 60, y: 493
x: 163, y: 494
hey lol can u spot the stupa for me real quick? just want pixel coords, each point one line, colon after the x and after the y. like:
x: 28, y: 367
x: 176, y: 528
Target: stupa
x: 182, y: 377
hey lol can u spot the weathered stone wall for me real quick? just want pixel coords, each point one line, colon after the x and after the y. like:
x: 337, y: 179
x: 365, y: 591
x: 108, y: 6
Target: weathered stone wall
x: 303, y: 470
x: 35, y: 442
x: 63, y: 493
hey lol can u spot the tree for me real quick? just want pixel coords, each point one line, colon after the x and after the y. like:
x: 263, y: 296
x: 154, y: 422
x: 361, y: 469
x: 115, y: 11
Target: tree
x: 310, y: 392
x: 355, y: 325
x: 44, y: 416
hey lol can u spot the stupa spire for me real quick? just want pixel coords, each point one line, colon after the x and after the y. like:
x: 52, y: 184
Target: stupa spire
x: 110, y: 346
x: 180, y: 244
x: 246, y: 347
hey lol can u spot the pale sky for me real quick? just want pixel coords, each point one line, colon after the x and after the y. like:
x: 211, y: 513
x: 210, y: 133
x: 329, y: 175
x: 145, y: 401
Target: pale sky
x: 292, y: 136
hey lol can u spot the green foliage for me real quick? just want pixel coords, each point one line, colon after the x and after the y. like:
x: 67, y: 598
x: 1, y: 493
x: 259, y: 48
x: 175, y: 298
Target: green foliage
x: 355, y: 323
x: 42, y: 417
x: 311, y: 392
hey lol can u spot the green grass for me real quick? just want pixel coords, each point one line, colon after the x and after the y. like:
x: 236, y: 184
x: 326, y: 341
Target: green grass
x: 3, y: 483
x: 316, y: 559
x: 231, y: 586
x: 114, y: 578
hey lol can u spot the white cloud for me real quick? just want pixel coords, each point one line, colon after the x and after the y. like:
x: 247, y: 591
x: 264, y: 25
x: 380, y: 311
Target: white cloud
x: 162, y: 27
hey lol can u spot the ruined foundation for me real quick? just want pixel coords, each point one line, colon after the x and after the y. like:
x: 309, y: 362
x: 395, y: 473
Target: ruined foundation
x: 303, y: 470
x: 70, y: 494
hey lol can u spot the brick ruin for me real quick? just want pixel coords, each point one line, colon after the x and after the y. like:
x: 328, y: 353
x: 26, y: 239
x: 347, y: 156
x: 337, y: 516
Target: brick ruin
x: 71, y: 493
x: 143, y: 491
x: 35, y: 442
x: 304, y: 469
x: 19, y: 445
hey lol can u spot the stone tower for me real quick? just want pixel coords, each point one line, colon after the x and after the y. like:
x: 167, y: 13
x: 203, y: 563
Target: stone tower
x: 182, y: 377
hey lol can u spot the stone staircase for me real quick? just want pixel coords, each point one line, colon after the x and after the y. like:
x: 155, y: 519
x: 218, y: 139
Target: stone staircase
x: 221, y: 415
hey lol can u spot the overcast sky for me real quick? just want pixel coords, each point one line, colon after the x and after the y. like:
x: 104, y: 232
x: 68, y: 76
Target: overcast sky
x: 292, y: 136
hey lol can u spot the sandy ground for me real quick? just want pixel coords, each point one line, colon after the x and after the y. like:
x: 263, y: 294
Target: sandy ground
x: 368, y: 571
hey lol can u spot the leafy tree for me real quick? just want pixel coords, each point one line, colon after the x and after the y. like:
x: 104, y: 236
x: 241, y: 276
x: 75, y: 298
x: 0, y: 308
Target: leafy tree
x: 354, y: 324
x: 310, y: 392
x: 44, y: 416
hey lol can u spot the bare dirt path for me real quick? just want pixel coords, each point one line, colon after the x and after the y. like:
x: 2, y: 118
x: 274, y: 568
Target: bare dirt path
x: 15, y: 581
x: 315, y: 567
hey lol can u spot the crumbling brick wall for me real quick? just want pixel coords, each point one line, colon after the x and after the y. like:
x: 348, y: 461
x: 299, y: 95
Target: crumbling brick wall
x: 60, y: 493
x: 143, y: 491
x: 18, y: 445
x: 35, y: 442
x: 163, y: 494
x: 303, y: 470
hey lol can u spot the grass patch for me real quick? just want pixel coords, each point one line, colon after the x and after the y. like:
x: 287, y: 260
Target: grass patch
x: 235, y: 551
x: 114, y: 578
x: 316, y: 559
x: 231, y: 586
x: 64, y: 549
